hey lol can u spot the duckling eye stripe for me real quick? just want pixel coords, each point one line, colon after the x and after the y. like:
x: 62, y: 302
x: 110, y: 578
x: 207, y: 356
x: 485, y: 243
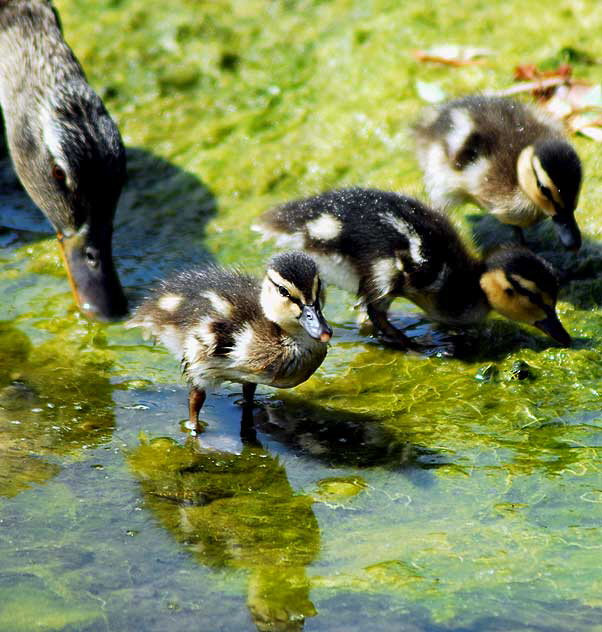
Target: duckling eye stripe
x: 544, y: 182
x: 530, y: 286
x: 290, y: 297
x: 461, y: 128
x: 277, y: 279
x: 546, y: 192
x: 532, y: 295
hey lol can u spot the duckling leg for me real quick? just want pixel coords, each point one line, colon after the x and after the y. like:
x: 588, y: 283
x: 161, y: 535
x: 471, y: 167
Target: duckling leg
x: 248, y: 393
x: 196, y: 399
x: 377, y: 312
x: 248, y: 434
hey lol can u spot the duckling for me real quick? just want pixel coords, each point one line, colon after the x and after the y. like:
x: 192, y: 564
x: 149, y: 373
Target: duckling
x: 66, y: 149
x: 504, y: 156
x: 381, y: 245
x: 227, y: 326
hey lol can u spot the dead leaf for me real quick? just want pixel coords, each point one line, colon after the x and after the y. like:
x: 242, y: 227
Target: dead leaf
x: 535, y: 86
x: 453, y: 55
x: 574, y: 102
x: 529, y: 72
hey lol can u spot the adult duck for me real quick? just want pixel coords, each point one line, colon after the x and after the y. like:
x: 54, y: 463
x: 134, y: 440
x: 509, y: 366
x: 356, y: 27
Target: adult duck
x: 66, y: 149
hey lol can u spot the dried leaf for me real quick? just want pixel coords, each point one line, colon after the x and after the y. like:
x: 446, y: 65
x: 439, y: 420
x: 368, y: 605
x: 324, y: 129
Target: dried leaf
x: 453, y: 55
x: 529, y: 72
x: 535, y: 86
x: 580, y: 107
x: 575, y: 102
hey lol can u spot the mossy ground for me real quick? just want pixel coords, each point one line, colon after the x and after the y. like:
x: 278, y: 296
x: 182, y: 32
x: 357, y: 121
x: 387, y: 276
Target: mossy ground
x: 388, y: 492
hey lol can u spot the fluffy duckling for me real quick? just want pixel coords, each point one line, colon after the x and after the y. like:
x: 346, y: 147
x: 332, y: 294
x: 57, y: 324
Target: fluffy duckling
x: 381, y: 245
x: 228, y: 326
x: 506, y: 157
x: 65, y: 148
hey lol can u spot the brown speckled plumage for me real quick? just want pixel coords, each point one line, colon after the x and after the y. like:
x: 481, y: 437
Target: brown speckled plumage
x: 469, y: 150
x: 213, y: 319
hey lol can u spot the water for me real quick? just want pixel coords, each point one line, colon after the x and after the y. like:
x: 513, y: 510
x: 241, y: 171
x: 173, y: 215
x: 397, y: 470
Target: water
x: 388, y: 492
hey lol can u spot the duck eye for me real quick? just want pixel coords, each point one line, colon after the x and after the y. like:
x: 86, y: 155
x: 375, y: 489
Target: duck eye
x: 58, y: 173
x: 509, y: 291
x: 283, y: 291
x: 91, y: 257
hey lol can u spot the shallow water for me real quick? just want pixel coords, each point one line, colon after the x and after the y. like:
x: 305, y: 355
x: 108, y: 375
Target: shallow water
x: 389, y: 491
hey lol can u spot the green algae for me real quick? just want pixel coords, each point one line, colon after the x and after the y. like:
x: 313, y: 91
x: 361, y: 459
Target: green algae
x: 237, y: 510
x: 478, y: 493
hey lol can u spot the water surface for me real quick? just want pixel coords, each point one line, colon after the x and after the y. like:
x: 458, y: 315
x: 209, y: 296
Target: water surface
x: 388, y: 492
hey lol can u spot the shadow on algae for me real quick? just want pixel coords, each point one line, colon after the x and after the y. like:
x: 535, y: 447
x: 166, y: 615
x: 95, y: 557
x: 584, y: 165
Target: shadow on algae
x: 56, y: 395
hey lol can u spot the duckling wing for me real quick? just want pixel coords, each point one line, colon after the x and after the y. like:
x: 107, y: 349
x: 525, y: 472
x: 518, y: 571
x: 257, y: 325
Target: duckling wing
x: 207, y: 305
x: 368, y: 241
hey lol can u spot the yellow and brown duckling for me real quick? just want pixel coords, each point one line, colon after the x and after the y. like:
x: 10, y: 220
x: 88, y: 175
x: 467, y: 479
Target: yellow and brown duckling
x: 504, y: 156
x: 227, y: 326
x: 65, y: 147
x: 381, y: 245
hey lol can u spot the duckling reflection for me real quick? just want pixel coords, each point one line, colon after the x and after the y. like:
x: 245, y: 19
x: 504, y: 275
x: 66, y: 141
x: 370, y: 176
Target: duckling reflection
x: 238, y: 511
x: 343, y: 438
x: 49, y: 405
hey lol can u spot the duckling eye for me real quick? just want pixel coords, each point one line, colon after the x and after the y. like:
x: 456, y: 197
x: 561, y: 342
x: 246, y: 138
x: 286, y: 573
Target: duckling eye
x: 283, y: 291
x: 509, y: 291
x: 58, y: 173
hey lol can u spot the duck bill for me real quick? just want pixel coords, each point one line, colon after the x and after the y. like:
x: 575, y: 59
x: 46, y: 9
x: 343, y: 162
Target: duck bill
x: 95, y: 286
x: 568, y: 231
x: 314, y: 323
x: 552, y: 326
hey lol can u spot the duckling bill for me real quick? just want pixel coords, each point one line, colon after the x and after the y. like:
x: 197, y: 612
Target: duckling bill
x: 504, y: 156
x: 224, y: 325
x: 66, y: 149
x: 382, y: 245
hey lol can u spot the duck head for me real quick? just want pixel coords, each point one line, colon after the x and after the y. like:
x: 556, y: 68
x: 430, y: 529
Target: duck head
x: 549, y: 172
x: 523, y: 287
x: 69, y: 156
x: 292, y: 295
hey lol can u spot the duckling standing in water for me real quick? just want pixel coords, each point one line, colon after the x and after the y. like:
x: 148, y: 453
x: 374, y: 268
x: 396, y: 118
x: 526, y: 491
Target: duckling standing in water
x: 381, y: 245
x: 65, y: 148
x: 228, y: 326
x: 506, y: 157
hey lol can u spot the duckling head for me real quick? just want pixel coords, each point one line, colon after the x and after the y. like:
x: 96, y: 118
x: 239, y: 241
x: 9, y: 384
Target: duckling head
x: 523, y: 287
x: 549, y: 172
x: 292, y: 295
x: 69, y: 156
